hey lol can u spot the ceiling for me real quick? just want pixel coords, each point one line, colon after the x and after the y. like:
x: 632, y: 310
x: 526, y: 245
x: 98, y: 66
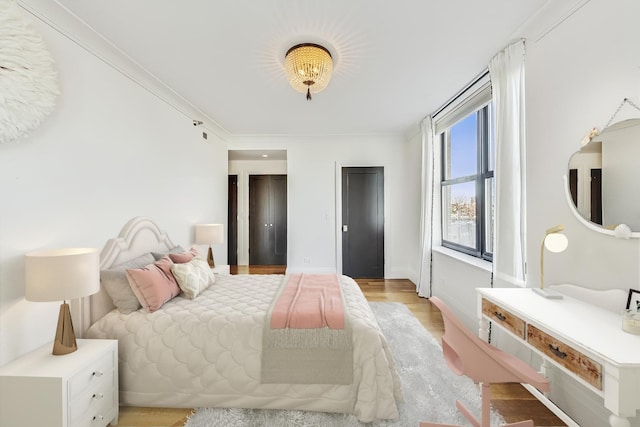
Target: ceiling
x: 394, y: 61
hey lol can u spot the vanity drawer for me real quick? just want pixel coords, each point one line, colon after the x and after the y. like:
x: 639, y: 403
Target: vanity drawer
x: 566, y: 356
x: 504, y: 318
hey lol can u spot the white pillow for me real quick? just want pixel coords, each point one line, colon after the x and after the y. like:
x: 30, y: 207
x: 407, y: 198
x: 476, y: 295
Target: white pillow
x: 193, y: 277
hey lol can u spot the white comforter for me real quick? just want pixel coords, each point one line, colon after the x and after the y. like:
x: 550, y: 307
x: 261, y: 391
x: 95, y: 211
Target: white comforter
x: 206, y: 353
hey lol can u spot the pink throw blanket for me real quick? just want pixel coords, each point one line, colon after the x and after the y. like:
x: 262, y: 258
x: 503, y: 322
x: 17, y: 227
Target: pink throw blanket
x: 309, y: 301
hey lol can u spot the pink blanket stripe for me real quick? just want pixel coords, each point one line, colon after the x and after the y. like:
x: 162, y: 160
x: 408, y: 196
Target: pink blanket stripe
x: 309, y: 301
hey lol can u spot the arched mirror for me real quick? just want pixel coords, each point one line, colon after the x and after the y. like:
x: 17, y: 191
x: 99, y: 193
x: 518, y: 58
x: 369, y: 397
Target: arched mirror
x: 604, y: 178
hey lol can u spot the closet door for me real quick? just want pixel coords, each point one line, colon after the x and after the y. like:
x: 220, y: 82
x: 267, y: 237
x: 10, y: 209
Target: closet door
x: 363, y: 222
x: 267, y: 219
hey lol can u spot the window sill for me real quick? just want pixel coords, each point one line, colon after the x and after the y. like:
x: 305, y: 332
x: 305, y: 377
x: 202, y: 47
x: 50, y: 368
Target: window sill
x: 467, y: 259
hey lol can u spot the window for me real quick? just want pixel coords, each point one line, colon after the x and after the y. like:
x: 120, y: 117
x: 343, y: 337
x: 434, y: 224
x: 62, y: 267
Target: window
x: 467, y: 184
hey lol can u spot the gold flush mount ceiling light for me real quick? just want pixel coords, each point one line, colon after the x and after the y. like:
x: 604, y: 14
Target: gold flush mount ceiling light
x: 309, y: 67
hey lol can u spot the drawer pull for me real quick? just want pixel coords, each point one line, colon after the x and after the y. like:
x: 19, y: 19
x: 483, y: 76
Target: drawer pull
x: 98, y: 417
x: 98, y: 373
x: 98, y: 396
x: 556, y: 350
x: 500, y: 316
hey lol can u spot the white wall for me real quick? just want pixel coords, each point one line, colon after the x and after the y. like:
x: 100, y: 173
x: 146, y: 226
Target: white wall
x: 313, y: 223
x: 413, y: 187
x: 110, y: 151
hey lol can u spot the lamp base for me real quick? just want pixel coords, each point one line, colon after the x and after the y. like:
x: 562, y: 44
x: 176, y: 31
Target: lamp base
x: 547, y: 293
x: 65, y: 341
x: 212, y: 264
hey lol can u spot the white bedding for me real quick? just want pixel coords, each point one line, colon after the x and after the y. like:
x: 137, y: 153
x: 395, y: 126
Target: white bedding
x: 206, y: 353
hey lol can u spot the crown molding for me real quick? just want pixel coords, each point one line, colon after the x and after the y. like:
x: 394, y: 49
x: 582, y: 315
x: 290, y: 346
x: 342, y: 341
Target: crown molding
x: 62, y: 20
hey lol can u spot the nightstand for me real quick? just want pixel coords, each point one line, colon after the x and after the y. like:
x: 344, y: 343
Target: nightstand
x: 221, y: 269
x: 79, y: 389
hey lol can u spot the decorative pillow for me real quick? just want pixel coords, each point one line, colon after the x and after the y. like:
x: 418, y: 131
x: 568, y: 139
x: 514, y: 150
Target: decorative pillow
x: 184, y: 257
x: 153, y: 284
x: 115, y: 283
x: 193, y: 277
x: 176, y: 250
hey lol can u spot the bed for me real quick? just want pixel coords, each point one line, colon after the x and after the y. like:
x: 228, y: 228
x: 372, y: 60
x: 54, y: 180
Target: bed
x: 206, y: 351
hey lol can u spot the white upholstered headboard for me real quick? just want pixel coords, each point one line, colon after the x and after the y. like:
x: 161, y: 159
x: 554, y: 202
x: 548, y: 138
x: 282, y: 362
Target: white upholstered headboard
x: 138, y: 236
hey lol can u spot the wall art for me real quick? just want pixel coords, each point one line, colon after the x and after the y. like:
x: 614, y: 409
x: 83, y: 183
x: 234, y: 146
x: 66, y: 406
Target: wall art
x: 28, y: 79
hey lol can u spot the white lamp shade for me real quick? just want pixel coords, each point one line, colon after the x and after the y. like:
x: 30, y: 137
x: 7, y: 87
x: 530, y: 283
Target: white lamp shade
x: 209, y: 234
x: 556, y: 242
x: 61, y: 274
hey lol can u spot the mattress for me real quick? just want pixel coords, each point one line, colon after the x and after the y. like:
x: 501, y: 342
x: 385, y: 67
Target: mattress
x: 206, y: 353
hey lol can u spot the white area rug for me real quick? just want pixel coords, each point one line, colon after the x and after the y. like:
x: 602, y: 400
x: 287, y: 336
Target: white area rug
x: 430, y: 388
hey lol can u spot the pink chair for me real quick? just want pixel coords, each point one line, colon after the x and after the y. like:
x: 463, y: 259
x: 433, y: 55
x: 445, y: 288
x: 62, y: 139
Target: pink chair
x: 466, y: 354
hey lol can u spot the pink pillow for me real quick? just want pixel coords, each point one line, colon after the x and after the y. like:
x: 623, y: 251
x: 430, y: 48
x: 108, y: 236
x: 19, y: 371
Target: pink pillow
x: 184, y: 257
x: 154, y: 284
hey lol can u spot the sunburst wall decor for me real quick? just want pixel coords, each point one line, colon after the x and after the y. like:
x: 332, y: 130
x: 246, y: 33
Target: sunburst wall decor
x: 28, y: 79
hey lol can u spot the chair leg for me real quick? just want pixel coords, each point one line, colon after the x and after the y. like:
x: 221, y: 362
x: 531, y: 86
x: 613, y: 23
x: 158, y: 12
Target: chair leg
x: 486, y: 413
x: 486, y: 405
x: 467, y: 414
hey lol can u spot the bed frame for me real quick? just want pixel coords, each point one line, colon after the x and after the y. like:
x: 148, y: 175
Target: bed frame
x: 138, y: 236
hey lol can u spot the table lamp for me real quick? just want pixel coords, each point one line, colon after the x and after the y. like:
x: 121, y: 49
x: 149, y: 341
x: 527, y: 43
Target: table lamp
x: 209, y: 234
x: 556, y: 242
x: 61, y: 275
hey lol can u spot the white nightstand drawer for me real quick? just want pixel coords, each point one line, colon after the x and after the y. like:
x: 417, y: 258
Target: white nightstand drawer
x: 94, y: 373
x: 93, y: 401
x: 99, y: 417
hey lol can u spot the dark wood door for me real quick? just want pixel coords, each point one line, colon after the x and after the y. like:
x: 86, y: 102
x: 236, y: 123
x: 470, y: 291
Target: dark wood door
x: 596, y: 196
x: 232, y: 220
x: 267, y: 219
x: 573, y: 185
x: 363, y: 222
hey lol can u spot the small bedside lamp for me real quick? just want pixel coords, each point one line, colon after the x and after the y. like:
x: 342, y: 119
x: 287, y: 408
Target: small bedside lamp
x: 61, y: 275
x: 209, y: 234
x: 556, y: 242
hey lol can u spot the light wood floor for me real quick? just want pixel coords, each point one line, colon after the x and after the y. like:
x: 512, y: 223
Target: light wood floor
x: 512, y: 401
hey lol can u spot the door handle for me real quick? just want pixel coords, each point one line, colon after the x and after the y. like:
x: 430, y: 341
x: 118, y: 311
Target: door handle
x: 345, y: 228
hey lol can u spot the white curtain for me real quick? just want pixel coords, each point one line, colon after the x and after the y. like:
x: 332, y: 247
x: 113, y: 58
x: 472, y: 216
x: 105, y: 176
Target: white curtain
x: 508, y: 85
x: 426, y: 213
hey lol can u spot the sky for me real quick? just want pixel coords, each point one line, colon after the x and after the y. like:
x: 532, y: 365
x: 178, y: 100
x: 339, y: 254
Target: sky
x: 464, y: 147
x: 464, y: 155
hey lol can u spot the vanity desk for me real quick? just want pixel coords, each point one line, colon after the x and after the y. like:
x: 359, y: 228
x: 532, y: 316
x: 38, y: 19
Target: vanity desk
x: 584, y: 340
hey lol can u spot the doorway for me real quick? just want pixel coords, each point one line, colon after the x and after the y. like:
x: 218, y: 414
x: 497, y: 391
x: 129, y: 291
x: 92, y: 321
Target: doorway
x: 596, y: 196
x: 363, y: 222
x: 232, y: 219
x: 243, y: 164
x: 267, y: 219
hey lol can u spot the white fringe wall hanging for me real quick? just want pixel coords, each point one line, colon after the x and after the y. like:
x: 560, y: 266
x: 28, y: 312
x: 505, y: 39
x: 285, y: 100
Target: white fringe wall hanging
x: 28, y: 80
